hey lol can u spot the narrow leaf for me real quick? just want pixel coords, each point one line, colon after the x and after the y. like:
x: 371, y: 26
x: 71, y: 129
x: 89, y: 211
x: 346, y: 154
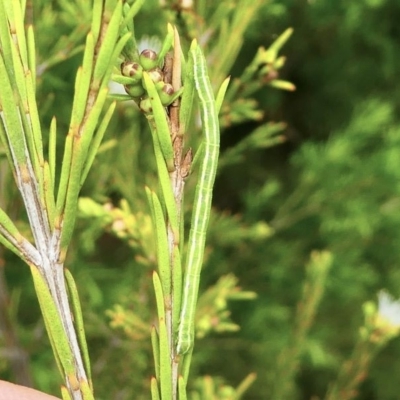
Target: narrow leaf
x: 97, y: 14
x: 244, y: 385
x: 5, y: 37
x: 113, y: 59
x: 32, y: 55
x: 65, y: 174
x: 4, y: 142
x: 165, y: 362
x: 107, y: 47
x: 65, y: 394
x: 221, y: 94
x: 49, y: 200
x: 95, y: 144
x: 155, y: 394
x: 83, y: 79
x: 79, y: 154
x: 187, y: 359
x: 187, y: 100
x: 34, y: 122
x: 161, y: 123
x: 55, y: 326
x: 86, y: 390
x: 52, y: 152
x: 182, y: 388
x: 167, y: 43
x: 9, y: 235
x: 20, y: 31
x: 159, y: 295
x: 177, y: 285
x: 162, y: 245
x: 11, y: 117
x: 135, y: 8
x: 167, y: 193
x: 155, y: 344
x: 78, y: 320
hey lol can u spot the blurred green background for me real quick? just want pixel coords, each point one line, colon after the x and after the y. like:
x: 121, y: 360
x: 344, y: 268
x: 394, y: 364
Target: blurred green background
x: 334, y: 184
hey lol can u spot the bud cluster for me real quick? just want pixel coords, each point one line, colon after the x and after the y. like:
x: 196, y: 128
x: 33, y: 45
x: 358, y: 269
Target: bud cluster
x: 149, y: 62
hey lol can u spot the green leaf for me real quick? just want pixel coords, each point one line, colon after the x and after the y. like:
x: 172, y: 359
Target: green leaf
x: 32, y: 55
x: 162, y: 244
x: 4, y: 142
x: 79, y: 154
x: 134, y: 9
x: 185, y: 368
x: 49, y: 200
x: 18, y: 76
x: 167, y: 43
x: 182, y: 388
x: 221, y: 94
x: 52, y: 152
x: 155, y: 394
x: 65, y: 173
x: 159, y: 295
x: 108, y: 45
x: 124, y: 80
x: 53, y: 323
x: 86, y: 390
x: 5, y: 38
x: 119, y: 97
x: 97, y: 19
x: 36, y: 149
x: 185, y: 111
x: 95, y: 144
x: 165, y: 355
x: 65, y: 394
x: 78, y: 320
x: 11, y: 116
x: 165, y: 362
x: 114, y: 56
x: 9, y: 234
x: 167, y: 193
x: 161, y: 122
x: 155, y: 344
x: 177, y: 285
x: 18, y: 22
x: 82, y: 83
x: 244, y: 385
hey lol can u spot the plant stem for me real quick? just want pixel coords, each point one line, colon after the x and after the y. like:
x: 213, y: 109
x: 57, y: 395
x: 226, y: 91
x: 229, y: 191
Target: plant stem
x: 177, y: 178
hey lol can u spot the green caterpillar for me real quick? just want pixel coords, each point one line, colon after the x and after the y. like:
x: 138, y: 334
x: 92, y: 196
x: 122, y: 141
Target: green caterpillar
x: 202, y: 201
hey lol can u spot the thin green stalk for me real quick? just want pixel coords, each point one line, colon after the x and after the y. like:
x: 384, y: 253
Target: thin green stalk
x: 313, y: 288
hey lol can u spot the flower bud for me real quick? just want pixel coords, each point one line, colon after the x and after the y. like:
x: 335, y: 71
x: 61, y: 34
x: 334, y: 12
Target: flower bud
x: 156, y: 75
x: 132, y: 70
x: 134, y: 90
x: 166, y: 94
x: 145, y: 106
x: 148, y: 59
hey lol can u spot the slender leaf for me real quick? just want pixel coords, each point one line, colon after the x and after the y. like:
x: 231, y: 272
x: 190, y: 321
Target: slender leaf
x: 155, y: 393
x: 167, y: 193
x: 221, y: 94
x: 165, y: 362
x: 161, y: 123
x: 95, y: 144
x: 78, y: 319
x: 83, y: 81
x: 155, y: 344
x: 108, y: 44
x: 54, y: 324
x: 182, y: 388
x: 162, y: 245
